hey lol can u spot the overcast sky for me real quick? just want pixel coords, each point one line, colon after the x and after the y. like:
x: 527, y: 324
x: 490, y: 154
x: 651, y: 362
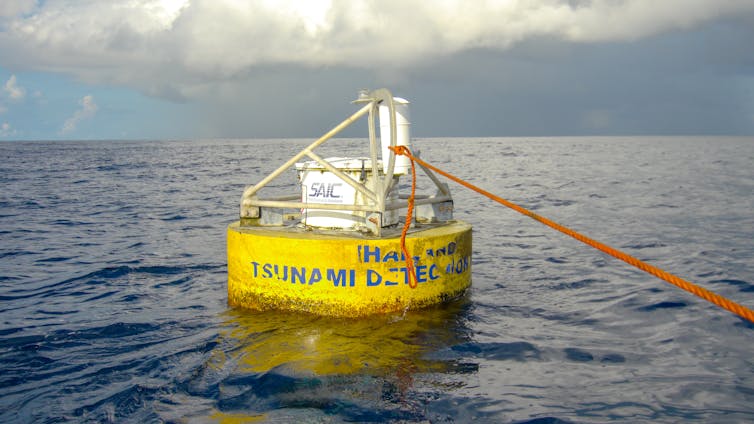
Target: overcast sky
x: 146, y: 69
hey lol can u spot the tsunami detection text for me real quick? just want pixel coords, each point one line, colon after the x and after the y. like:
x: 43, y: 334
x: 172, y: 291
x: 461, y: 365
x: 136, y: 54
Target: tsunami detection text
x: 381, y: 274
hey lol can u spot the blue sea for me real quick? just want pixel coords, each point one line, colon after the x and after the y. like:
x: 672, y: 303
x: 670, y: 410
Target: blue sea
x: 113, y: 290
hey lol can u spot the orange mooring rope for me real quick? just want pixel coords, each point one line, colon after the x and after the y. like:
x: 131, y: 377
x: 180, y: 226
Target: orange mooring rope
x: 409, y: 213
x: 705, y: 294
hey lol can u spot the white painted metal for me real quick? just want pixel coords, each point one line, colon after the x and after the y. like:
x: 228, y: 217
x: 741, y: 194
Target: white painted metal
x: 402, y: 137
x: 321, y: 186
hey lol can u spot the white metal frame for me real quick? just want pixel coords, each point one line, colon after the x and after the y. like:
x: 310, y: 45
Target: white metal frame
x: 380, y: 188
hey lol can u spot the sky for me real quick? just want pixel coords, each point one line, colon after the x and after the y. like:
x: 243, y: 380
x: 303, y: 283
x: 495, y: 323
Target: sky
x: 187, y: 69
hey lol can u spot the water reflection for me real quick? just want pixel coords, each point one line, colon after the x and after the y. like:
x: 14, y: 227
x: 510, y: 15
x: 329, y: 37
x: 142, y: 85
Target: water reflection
x: 286, y: 364
x: 308, y: 344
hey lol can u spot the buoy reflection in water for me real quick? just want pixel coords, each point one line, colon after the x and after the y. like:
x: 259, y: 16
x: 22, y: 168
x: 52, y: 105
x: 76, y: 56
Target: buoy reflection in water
x: 314, y: 345
x: 281, y: 366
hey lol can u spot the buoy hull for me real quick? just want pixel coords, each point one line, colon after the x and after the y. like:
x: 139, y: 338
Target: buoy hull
x: 340, y: 275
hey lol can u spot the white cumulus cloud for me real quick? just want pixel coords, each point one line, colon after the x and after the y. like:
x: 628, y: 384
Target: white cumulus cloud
x: 10, y: 8
x: 88, y: 109
x: 174, y: 48
x: 6, y: 130
x: 15, y: 92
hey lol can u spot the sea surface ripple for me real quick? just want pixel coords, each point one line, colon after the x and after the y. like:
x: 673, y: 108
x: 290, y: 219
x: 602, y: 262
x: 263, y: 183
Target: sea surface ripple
x: 113, y: 290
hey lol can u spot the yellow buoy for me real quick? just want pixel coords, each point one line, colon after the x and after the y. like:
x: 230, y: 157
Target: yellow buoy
x: 335, y: 247
x: 328, y: 273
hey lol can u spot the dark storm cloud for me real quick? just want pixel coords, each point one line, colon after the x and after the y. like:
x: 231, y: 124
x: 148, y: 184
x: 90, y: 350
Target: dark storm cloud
x: 676, y: 83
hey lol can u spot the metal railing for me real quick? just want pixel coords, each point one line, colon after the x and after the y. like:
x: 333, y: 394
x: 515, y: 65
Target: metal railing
x: 253, y: 208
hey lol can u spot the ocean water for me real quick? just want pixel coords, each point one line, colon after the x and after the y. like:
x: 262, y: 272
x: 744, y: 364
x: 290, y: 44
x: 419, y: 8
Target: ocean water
x: 113, y: 290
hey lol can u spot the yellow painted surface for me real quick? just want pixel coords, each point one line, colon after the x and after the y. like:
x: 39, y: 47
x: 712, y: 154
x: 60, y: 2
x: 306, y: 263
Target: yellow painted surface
x: 340, y: 275
x: 230, y: 418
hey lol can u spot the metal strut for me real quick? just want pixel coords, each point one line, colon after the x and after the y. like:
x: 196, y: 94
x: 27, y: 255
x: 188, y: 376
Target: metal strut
x: 256, y: 211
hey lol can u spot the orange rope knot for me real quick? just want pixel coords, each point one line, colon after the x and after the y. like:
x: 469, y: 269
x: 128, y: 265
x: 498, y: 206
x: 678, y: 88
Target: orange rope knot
x: 403, y: 150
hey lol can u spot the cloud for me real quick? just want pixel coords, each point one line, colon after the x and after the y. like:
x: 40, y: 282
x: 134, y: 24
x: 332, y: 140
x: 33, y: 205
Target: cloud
x: 6, y: 130
x: 14, y: 91
x: 597, y: 119
x: 11, y: 8
x: 178, y: 49
x: 88, y: 110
